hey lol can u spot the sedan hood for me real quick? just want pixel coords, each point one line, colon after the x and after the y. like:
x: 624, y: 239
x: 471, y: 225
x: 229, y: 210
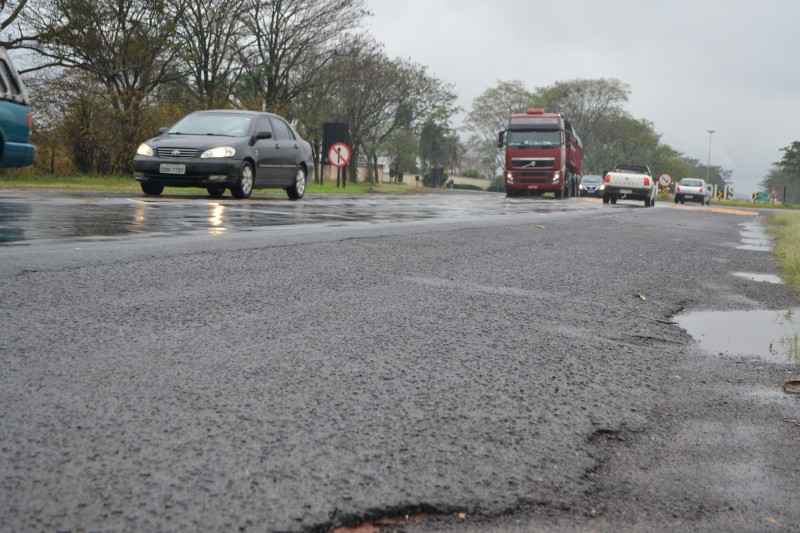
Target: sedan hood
x: 198, y: 142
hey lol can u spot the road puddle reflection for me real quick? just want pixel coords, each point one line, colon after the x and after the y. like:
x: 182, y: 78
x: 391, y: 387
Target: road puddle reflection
x: 754, y: 237
x: 764, y: 278
x: 768, y: 335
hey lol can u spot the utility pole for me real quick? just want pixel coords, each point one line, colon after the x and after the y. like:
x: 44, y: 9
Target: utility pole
x: 708, y: 164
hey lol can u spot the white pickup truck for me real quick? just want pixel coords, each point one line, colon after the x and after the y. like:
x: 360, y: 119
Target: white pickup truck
x: 630, y: 182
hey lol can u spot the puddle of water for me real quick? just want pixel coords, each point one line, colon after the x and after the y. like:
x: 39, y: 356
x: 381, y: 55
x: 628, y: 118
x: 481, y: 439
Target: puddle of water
x: 754, y: 237
x: 766, y: 278
x: 769, y: 335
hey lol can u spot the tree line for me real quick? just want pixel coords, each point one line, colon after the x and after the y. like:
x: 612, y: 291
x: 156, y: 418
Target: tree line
x: 106, y: 74
x: 596, y: 108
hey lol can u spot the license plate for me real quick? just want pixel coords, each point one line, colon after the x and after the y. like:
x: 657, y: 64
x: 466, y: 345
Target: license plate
x: 688, y: 196
x: 166, y: 168
x: 533, y: 186
x: 626, y: 191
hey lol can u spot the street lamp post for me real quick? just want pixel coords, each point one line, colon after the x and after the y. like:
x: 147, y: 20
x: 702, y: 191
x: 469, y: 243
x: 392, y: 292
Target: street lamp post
x: 708, y: 164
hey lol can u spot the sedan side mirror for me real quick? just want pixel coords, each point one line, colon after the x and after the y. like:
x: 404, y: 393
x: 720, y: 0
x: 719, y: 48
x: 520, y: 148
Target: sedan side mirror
x: 161, y: 131
x: 263, y: 134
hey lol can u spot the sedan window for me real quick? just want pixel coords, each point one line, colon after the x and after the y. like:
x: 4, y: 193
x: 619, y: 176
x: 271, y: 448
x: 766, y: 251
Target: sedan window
x: 281, y: 130
x: 212, y: 124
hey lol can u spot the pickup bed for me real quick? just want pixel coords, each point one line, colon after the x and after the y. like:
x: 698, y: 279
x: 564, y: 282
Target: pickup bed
x: 629, y: 182
x: 16, y: 149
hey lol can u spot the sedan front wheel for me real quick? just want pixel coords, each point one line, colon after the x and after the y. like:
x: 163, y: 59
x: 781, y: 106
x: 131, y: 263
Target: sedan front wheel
x: 152, y: 189
x: 296, y: 191
x: 244, y: 186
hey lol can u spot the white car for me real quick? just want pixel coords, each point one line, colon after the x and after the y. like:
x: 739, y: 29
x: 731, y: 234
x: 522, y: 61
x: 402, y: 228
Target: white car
x: 693, y: 190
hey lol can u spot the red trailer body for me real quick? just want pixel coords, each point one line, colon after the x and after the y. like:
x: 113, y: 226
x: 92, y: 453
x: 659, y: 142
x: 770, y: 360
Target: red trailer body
x: 543, y: 154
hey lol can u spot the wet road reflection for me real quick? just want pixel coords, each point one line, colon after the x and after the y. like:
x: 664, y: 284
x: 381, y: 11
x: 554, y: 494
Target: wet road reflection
x: 29, y: 217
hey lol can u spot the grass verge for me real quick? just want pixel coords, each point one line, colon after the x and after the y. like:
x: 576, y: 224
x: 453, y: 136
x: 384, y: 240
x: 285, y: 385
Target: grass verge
x: 126, y: 184
x: 786, y: 229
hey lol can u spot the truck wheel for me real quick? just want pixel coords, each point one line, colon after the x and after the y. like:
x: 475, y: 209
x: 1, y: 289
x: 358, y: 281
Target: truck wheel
x: 605, y: 199
x: 614, y: 200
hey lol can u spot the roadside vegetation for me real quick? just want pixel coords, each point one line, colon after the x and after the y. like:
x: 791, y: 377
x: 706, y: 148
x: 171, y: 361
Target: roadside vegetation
x: 786, y: 228
x: 171, y: 58
x: 120, y: 184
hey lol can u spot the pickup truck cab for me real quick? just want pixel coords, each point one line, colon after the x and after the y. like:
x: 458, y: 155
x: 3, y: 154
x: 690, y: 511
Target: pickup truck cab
x: 630, y: 182
x: 16, y: 120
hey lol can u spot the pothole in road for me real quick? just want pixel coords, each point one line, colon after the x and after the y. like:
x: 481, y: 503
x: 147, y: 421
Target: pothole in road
x: 769, y: 335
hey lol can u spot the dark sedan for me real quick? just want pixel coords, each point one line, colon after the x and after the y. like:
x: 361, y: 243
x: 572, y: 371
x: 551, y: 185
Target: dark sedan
x: 225, y: 149
x: 592, y: 185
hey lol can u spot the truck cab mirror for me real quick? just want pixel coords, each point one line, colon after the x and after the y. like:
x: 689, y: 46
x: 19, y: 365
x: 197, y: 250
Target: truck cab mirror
x: 500, y: 138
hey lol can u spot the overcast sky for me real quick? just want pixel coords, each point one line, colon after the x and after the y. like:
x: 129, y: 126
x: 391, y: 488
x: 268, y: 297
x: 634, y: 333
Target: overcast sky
x: 732, y: 66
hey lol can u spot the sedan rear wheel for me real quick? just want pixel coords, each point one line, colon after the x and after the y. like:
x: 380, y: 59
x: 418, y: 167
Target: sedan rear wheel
x: 244, y: 186
x: 296, y: 191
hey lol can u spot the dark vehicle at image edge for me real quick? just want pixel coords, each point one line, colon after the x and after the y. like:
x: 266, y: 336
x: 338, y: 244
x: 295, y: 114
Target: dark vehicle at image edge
x: 225, y: 149
x: 16, y: 120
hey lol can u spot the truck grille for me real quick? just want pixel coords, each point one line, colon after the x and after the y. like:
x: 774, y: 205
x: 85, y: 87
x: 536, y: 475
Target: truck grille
x: 533, y: 162
x: 532, y: 177
x: 176, y: 152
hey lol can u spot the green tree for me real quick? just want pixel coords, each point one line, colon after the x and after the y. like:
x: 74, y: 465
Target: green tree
x: 126, y: 46
x: 488, y: 116
x: 790, y: 162
x: 212, y: 39
x: 290, y: 36
x: 9, y: 11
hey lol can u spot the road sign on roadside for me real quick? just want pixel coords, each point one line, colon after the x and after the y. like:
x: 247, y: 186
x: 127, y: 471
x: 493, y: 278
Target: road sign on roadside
x: 665, y: 180
x: 339, y: 155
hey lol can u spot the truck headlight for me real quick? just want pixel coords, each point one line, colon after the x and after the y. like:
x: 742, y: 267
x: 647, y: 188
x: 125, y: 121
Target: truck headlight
x: 509, y: 177
x: 556, y: 176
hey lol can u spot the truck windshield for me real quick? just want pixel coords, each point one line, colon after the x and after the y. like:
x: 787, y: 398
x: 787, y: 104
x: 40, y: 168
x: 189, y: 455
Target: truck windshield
x: 534, y: 139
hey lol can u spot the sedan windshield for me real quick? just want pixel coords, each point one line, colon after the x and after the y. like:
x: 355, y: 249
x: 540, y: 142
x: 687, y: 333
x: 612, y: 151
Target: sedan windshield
x: 212, y: 124
x: 591, y: 179
x: 691, y: 183
x: 534, y: 139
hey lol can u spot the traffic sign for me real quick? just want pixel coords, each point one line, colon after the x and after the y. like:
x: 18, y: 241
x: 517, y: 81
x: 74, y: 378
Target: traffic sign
x: 339, y: 155
x: 665, y: 180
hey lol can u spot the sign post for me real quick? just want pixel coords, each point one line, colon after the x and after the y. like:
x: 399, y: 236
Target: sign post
x: 339, y: 156
x: 665, y: 180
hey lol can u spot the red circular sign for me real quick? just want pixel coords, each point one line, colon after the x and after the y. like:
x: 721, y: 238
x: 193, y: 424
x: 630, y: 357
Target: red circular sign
x: 339, y: 155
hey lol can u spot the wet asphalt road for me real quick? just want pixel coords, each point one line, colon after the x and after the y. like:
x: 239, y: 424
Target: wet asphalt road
x: 508, y: 366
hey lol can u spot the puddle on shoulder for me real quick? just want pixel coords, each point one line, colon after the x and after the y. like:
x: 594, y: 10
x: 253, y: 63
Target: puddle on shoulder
x: 767, y: 278
x: 769, y: 335
x: 754, y: 237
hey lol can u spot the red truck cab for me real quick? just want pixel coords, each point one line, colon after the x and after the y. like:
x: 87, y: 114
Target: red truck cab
x: 543, y: 154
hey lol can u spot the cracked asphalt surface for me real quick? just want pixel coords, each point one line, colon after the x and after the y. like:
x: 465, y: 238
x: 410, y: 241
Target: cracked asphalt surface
x: 494, y: 374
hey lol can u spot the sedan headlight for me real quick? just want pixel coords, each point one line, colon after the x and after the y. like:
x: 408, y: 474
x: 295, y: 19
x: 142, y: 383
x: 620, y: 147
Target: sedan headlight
x: 144, y: 149
x: 220, y: 151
